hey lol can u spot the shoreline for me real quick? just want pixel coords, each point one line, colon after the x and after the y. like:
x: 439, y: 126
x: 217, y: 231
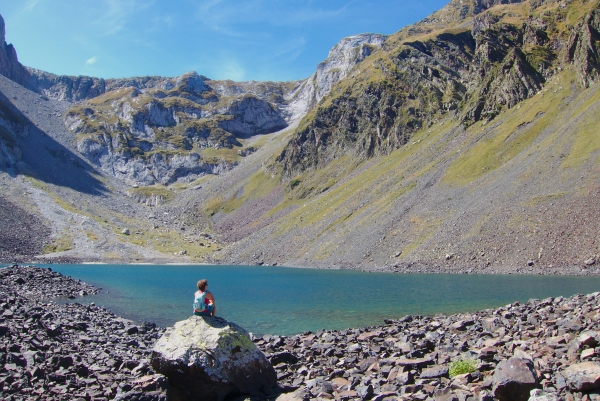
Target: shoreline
x: 90, y: 353
x: 411, y: 268
x: 59, y: 349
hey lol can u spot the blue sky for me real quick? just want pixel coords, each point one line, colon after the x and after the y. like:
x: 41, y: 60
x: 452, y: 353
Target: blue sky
x: 277, y: 40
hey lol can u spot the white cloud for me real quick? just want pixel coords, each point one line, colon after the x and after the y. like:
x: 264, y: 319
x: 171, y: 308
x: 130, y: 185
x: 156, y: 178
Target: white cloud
x: 30, y: 4
x: 231, y: 69
x: 116, y: 14
x: 91, y: 61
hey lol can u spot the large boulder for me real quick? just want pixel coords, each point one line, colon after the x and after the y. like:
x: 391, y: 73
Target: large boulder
x: 514, y: 379
x: 583, y: 376
x: 209, y: 358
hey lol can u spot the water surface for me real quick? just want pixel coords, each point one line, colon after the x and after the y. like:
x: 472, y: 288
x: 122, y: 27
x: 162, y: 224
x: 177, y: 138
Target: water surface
x: 279, y: 300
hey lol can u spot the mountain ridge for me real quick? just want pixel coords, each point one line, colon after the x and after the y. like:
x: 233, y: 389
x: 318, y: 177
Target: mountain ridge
x: 464, y: 142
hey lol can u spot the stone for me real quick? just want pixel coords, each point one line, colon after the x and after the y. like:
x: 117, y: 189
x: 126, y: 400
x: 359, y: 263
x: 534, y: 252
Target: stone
x: 209, y: 358
x: 434, y: 372
x: 539, y: 395
x: 587, y: 353
x: 514, y: 379
x: 583, y: 376
x: 365, y: 392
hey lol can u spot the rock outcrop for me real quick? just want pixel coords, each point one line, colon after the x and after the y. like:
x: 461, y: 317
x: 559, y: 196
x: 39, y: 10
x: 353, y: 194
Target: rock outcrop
x: 12, y: 126
x: 154, y: 130
x: 514, y: 379
x: 340, y: 61
x: 209, y: 358
x: 10, y: 66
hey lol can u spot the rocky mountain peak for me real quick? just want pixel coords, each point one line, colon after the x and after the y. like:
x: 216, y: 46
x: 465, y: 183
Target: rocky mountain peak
x: 10, y: 66
x: 341, y: 59
x: 192, y: 82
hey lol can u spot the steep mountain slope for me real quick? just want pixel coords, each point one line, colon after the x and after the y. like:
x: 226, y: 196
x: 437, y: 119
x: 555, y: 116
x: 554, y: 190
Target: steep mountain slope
x: 468, y: 141
x: 70, y: 145
x: 468, y: 147
x: 471, y: 69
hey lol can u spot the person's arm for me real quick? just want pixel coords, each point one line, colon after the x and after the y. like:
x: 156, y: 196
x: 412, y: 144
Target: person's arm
x: 211, y: 298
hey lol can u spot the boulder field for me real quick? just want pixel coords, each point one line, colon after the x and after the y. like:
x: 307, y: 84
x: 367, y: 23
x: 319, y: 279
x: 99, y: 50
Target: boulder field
x: 539, y: 350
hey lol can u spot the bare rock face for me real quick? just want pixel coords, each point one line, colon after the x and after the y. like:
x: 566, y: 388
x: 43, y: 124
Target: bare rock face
x: 341, y: 59
x: 514, y: 379
x: 584, y: 49
x: 10, y: 66
x: 209, y: 358
x: 583, y: 376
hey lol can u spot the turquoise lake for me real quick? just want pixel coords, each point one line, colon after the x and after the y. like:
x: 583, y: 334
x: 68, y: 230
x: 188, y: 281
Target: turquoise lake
x: 279, y: 300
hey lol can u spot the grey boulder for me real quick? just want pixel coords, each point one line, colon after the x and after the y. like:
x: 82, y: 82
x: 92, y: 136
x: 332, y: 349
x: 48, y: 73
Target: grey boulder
x: 209, y: 358
x: 514, y: 379
x: 583, y: 376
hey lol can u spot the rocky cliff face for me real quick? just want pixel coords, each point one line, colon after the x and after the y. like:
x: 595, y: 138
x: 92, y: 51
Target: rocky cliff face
x: 341, y: 59
x: 584, y: 48
x: 153, y: 131
x: 472, y: 69
x: 9, y: 63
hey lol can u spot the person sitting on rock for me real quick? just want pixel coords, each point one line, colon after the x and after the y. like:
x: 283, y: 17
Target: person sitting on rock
x: 204, y: 301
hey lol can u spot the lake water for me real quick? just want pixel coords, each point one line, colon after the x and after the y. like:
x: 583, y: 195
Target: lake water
x: 279, y: 300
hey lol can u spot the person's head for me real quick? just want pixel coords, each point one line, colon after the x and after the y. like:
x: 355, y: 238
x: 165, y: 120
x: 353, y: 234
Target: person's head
x: 202, y: 284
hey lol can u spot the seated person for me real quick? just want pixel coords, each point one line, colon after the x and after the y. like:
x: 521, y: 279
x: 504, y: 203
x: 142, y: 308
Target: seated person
x: 204, y: 301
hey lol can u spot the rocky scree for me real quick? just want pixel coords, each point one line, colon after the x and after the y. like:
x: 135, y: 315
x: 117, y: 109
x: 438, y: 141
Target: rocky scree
x: 51, y: 351
x: 23, y: 235
x: 542, y: 348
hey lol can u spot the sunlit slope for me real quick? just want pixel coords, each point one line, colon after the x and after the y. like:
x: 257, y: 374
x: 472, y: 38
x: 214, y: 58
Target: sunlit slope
x: 521, y: 189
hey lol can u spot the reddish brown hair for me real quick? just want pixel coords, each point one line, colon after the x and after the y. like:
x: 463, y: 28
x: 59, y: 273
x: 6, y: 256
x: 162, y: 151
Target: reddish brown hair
x: 202, y: 284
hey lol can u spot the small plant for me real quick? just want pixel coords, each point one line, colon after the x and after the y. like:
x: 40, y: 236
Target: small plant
x: 462, y: 366
x: 295, y: 182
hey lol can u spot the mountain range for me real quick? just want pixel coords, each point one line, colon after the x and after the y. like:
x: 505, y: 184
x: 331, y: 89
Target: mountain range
x: 467, y: 142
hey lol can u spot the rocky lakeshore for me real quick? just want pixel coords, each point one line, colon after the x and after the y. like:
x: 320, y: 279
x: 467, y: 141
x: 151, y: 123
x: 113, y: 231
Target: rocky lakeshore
x: 69, y: 351
x: 550, y: 346
x: 540, y: 350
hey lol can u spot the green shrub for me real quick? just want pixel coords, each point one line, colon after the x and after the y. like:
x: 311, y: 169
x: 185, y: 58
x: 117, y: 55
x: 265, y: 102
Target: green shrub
x: 462, y: 366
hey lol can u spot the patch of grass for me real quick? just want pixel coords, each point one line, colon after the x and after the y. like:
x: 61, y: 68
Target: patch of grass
x: 171, y: 242
x: 216, y: 156
x: 421, y: 227
x: 147, y: 192
x: 461, y: 367
x: 109, y: 97
x: 61, y: 244
x: 503, y: 142
x: 585, y: 132
x: 536, y: 200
